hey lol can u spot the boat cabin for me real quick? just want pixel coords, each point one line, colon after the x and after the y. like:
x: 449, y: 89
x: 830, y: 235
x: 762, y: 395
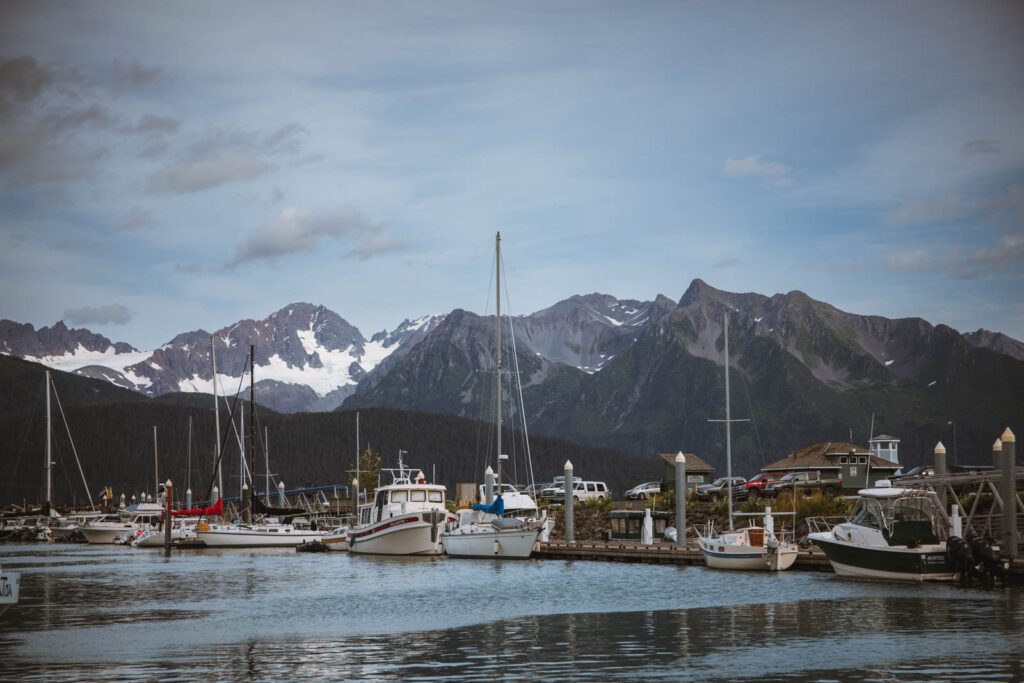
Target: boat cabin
x: 906, y: 517
x: 404, y: 495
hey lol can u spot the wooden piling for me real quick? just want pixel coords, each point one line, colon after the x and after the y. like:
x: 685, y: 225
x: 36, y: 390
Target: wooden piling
x: 168, y: 517
x: 570, y: 488
x: 1009, y: 491
x: 680, y: 500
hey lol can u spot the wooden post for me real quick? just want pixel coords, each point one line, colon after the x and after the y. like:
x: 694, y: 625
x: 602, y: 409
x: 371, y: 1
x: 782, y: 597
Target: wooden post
x: 680, y: 500
x: 281, y: 500
x: 488, y: 486
x: 570, y: 533
x: 1009, y: 490
x: 168, y: 517
x: 940, y: 470
x: 245, y: 512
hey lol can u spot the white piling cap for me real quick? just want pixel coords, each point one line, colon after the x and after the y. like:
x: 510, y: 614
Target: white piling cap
x: 168, y: 483
x: 355, y: 482
x: 489, y: 470
x: 1008, y: 436
x: 280, y: 484
x: 939, y: 448
x: 680, y: 457
x: 188, y: 492
x: 245, y: 487
x: 997, y: 447
x: 568, y: 464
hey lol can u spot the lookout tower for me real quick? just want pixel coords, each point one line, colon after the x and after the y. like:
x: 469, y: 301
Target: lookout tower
x: 886, y: 447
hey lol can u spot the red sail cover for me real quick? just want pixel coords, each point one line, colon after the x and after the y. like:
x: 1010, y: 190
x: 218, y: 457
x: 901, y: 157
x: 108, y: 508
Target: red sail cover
x: 215, y: 510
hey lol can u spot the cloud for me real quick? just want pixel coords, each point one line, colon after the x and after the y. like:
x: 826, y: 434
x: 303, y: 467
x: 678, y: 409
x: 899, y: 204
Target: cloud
x: 929, y: 210
x: 728, y: 262
x: 133, y: 75
x: 293, y: 230
x: 151, y: 123
x: 752, y: 166
x: 109, y: 314
x: 982, y: 146
x: 22, y: 79
x: 135, y: 219
x: 959, y: 262
x: 224, y: 156
x: 207, y: 173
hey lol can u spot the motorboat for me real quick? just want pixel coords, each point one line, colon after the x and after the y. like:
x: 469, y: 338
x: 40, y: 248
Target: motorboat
x: 406, y: 517
x: 67, y: 527
x: 752, y: 548
x: 181, y: 530
x: 337, y: 538
x: 268, y: 534
x: 894, y: 534
x: 123, y: 527
x: 10, y: 585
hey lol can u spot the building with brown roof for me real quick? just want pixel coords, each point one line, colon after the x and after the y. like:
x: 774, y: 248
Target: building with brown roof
x: 853, y: 464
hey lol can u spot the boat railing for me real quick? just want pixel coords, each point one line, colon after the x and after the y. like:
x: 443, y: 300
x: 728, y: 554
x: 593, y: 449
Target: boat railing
x: 823, y: 525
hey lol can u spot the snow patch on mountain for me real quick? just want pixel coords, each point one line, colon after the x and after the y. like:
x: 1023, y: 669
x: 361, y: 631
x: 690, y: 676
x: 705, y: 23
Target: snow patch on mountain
x: 81, y: 357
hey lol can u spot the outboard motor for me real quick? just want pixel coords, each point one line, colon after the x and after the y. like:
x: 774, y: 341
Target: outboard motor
x: 987, y: 564
x: 961, y: 560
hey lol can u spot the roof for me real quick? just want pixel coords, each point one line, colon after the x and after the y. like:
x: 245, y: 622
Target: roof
x: 882, y: 437
x: 817, y: 456
x: 693, y: 463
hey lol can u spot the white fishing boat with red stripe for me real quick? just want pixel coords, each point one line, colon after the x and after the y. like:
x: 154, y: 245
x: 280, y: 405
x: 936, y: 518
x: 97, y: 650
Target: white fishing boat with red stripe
x: 406, y: 517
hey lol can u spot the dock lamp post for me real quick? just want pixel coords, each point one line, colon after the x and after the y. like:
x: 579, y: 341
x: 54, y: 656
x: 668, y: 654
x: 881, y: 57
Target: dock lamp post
x: 952, y: 424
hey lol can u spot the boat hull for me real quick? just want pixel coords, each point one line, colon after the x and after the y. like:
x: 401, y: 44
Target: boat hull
x: 746, y: 558
x: 401, y: 535
x: 10, y: 585
x: 109, y: 535
x: 256, y: 539
x: 336, y: 541
x: 926, y: 563
x: 513, y: 544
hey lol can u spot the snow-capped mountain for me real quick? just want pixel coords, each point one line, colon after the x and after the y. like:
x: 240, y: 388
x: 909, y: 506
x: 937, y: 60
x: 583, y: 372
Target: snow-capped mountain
x: 307, y: 357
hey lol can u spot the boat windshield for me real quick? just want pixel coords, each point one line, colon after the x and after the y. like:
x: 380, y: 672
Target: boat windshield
x: 868, y: 513
x: 883, y: 513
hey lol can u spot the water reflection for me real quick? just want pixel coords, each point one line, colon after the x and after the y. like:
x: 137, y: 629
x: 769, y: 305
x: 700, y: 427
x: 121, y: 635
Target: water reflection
x: 119, y: 614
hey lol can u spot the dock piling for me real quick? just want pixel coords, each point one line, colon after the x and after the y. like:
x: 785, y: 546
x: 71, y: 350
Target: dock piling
x: 244, y: 513
x: 680, y: 500
x: 169, y: 503
x: 940, y: 470
x: 488, y: 486
x: 570, y: 487
x: 281, y: 501
x: 1009, y: 491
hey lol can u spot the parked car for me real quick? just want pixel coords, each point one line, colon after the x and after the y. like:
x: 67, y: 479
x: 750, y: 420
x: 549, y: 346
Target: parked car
x: 643, y: 491
x: 534, y: 490
x: 716, y: 489
x: 582, y: 490
x: 919, y: 471
x: 805, y: 483
x: 756, y: 485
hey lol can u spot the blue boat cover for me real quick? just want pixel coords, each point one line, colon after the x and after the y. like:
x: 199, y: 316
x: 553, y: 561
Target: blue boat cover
x: 495, y: 508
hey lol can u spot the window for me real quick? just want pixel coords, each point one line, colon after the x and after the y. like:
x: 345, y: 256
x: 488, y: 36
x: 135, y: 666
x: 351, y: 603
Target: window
x: 602, y: 487
x: 592, y: 487
x: 399, y: 496
x: 417, y: 496
x: 842, y: 459
x: 436, y: 497
x: 863, y: 460
x: 868, y: 513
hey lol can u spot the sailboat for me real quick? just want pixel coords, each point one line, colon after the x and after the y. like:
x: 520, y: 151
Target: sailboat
x: 751, y: 548
x: 483, y: 531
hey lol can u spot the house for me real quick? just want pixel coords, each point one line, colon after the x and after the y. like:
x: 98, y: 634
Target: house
x: 697, y: 471
x: 854, y: 465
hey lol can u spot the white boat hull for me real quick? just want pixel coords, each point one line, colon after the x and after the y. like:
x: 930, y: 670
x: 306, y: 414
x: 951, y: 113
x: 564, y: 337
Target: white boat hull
x: 107, y: 535
x: 746, y: 558
x: 400, y: 535
x: 10, y: 585
x: 247, y: 538
x: 514, y: 544
x: 336, y: 541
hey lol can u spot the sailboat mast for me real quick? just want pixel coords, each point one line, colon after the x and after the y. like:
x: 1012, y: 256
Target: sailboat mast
x: 216, y: 419
x: 266, y: 458
x: 156, y: 473
x: 497, y: 341
x: 728, y: 424
x: 49, y: 444
x: 241, y: 449
x: 252, y: 413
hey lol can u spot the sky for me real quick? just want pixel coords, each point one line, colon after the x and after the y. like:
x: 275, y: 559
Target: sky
x: 167, y: 167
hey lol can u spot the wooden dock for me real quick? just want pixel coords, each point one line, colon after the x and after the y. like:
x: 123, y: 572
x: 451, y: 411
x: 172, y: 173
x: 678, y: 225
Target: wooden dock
x: 662, y: 552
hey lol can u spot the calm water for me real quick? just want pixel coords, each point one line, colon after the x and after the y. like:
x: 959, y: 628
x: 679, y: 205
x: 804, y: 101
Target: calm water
x: 91, y: 612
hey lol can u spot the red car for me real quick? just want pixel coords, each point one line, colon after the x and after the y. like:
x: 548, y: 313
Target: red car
x: 757, y: 484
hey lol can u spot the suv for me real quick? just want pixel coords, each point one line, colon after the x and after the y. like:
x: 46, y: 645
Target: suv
x: 643, y: 491
x: 557, y: 487
x: 804, y: 482
x: 716, y: 489
x: 758, y: 483
x: 582, y: 490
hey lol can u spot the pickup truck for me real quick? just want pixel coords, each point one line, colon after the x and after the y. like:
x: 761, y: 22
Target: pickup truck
x: 805, y: 483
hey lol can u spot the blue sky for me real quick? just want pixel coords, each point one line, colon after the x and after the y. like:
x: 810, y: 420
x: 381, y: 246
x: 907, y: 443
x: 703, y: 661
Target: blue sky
x: 165, y: 167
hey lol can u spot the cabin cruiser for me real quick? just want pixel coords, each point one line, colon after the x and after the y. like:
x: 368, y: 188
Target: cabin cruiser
x: 66, y: 528
x: 270, y: 533
x: 10, y: 584
x: 893, y: 533
x: 123, y: 527
x: 406, y: 517
x: 754, y: 548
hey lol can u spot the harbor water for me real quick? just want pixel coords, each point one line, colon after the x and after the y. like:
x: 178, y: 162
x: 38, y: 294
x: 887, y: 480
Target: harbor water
x: 116, y: 613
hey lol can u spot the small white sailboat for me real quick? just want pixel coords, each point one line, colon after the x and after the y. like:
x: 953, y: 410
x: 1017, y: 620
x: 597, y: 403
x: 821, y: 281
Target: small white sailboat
x: 483, y: 531
x: 269, y: 534
x: 752, y: 548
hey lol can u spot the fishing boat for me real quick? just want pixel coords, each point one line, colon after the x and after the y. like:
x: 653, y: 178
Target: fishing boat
x: 10, y: 584
x: 894, y: 534
x: 124, y: 527
x: 483, y: 531
x: 406, y: 517
x: 753, y: 547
